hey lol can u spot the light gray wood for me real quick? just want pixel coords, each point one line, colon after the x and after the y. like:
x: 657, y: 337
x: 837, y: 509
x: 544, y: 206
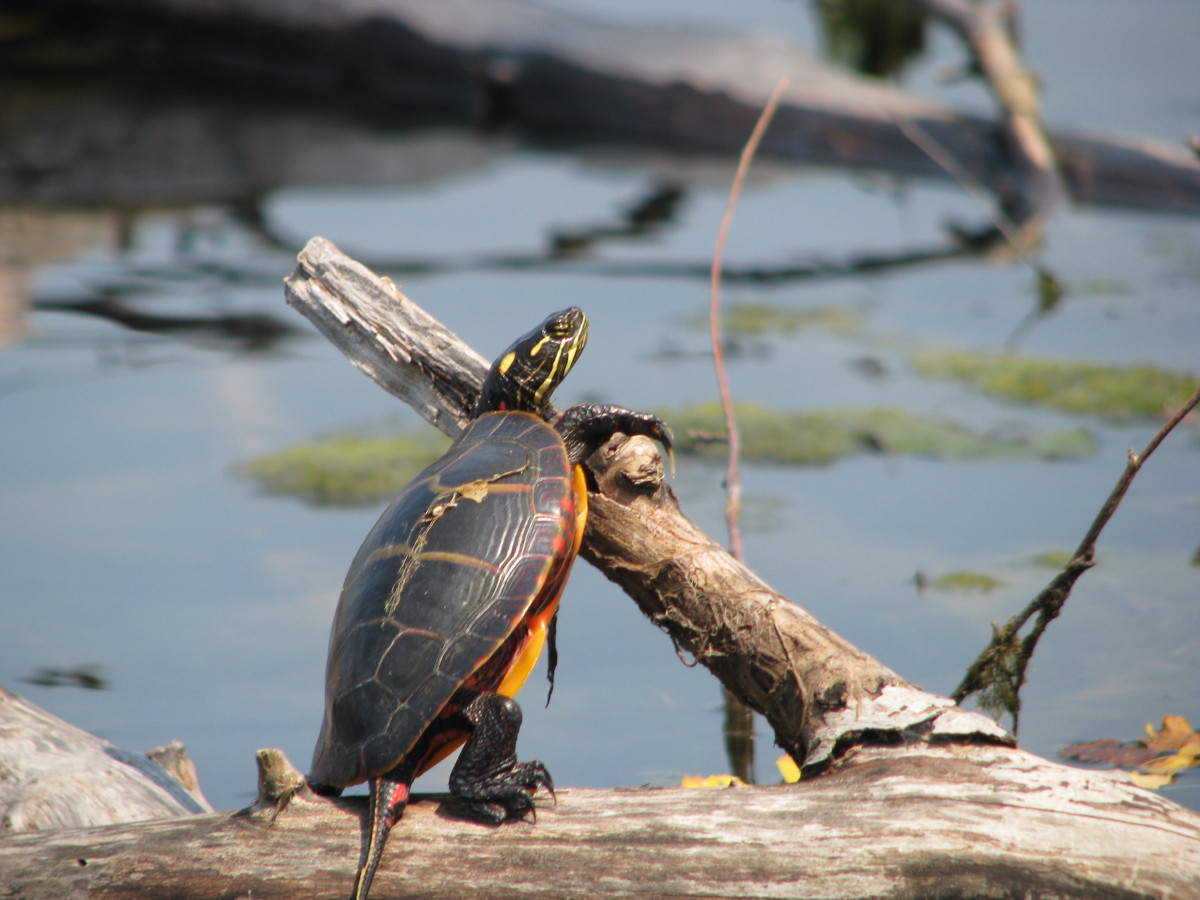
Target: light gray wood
x: 54, y: 775
x: 926, y: 823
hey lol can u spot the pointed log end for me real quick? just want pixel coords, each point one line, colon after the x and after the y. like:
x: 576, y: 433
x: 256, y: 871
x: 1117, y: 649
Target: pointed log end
x: 174, y: 758
x: 630, y: 469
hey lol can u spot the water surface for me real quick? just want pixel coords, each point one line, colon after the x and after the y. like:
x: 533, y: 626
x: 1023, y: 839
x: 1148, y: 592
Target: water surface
x: 127, y: 541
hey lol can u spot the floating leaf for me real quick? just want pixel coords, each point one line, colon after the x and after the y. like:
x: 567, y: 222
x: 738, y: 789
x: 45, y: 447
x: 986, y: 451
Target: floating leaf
x: 1186, y: 757
x: 1110, y: 751
x: 1176, y: 731
x: 1164, y: 753
x: 1115, y: 392
x: 788, y: 768
x: 711, y: 781
x: 1154, y: 782
x: 1176, y: 744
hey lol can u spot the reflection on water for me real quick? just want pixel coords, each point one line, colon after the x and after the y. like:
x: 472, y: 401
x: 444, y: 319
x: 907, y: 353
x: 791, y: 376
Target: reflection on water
x: 148, y: 353
x: 33, y: 238
x: 89, y: 677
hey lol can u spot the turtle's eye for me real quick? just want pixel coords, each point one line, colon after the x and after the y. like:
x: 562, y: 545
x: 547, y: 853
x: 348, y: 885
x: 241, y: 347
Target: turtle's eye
x: 560, y: 328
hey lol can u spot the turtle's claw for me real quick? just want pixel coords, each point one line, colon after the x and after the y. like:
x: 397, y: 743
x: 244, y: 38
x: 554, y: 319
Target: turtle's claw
x: 584, y: 428
x: 487, y: 779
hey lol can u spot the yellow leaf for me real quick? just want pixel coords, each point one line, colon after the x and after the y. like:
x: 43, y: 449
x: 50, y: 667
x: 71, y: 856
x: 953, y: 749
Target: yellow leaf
x: 1184, y: 758
x: 1141, y: 779
x: 788, y: 768
x: 699, y: 781
x: 1175, y: 732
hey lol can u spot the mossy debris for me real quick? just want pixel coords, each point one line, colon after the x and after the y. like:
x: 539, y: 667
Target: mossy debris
x: 346, y: 469
x: 819, y: 437
x: 1117, y: 393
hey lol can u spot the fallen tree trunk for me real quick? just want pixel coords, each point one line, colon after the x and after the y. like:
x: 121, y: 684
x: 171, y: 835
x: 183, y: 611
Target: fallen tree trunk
x: 904, y: 794
x: 545, y: 73
x: 901, y: 823
x: 54, y: 775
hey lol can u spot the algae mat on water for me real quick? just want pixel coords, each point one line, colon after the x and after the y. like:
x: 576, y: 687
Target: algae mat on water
x: 355, y: 469
x: 821, y: 436
x: 346, y: 469
x: 1119, y: 393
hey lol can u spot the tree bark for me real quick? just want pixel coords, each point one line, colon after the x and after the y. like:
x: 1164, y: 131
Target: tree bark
x: 894, y: 823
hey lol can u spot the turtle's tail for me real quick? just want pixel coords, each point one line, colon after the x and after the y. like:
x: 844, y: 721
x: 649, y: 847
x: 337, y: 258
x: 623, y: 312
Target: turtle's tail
x: 386, y: 806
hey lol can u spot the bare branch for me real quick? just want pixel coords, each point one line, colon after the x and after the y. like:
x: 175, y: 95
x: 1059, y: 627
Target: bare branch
x: 987, y: 30
x: 1001, y: 667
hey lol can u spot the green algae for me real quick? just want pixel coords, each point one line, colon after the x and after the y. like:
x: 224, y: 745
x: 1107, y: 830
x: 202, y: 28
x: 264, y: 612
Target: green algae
x: 346, y: 469
x: 1050, y: 559
x: 820, y: 437
x: 965, y: 581
x: 1117, y: 393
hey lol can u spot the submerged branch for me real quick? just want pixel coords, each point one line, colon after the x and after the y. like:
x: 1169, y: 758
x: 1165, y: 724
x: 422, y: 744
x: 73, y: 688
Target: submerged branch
x: 987, y: 30
x: 1000, y: 669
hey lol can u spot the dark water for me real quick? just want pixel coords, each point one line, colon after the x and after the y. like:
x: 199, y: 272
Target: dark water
x: 127, y: 541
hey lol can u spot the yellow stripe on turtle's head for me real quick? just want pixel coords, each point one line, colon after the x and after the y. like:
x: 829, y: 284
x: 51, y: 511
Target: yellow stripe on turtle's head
x: 526, y: 374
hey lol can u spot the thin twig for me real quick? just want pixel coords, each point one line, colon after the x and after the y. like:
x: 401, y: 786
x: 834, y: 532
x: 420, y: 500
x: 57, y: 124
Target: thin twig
x: 932, y: 148
x: 732, y: 478
x: 739, y: 718
x: 1007, y: 659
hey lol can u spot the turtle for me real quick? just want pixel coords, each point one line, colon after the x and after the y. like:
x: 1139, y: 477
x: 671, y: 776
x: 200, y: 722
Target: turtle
x: 454, y: 592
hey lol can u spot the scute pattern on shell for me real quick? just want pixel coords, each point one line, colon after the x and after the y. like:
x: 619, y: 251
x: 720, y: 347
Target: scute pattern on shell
x: 451, y: 568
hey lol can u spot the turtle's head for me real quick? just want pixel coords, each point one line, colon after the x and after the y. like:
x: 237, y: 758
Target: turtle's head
x: 526, y: 374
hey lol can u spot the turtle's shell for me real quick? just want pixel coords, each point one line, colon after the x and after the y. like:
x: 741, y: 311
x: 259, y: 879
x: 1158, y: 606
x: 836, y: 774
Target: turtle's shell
x: 449, y: 596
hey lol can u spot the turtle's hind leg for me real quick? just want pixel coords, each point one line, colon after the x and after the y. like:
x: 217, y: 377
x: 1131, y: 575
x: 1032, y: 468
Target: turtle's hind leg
x: 487, y: 779
x: 385, y: 807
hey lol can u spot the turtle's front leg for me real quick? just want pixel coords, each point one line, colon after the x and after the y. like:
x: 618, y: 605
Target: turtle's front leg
x: 487, y: 779
x: 585, y: 427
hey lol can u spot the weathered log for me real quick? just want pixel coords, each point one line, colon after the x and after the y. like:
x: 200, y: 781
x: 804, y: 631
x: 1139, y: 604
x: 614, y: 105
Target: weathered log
x: 539, y: 71
x: 915, y: 823
x: 54, y: 775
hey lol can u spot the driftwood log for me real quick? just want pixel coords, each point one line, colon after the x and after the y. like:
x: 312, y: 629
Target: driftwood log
x: 904, y: 794
x: 301, y: 71
x: 54, y: 775
x: 915, y: 823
